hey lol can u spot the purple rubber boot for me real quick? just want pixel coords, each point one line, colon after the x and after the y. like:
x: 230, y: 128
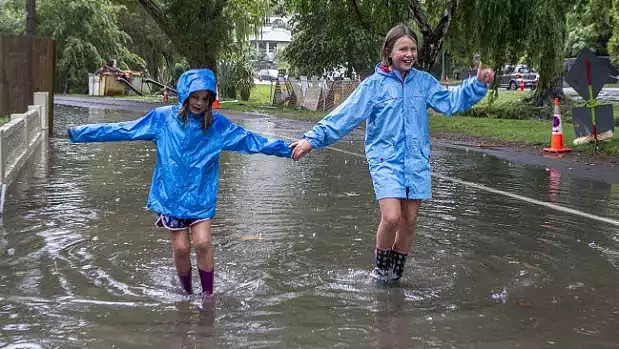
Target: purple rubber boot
x: 206, y: 278
x: 185, y: 279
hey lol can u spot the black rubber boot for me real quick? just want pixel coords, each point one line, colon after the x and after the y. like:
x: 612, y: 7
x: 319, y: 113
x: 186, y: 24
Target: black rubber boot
x: 382, y: 265
x: 398, y: 259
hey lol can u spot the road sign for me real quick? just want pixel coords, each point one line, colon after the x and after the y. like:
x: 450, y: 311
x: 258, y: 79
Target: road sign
x: 578, y: 77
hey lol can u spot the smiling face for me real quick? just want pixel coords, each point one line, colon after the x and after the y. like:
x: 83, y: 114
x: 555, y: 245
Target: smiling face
x: 199, y: 101
x: 404, y: 54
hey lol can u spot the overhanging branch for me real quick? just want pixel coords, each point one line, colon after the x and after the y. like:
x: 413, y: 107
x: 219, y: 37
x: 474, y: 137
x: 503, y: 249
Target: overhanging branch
x: 360, y: 18
x: 156, y: 13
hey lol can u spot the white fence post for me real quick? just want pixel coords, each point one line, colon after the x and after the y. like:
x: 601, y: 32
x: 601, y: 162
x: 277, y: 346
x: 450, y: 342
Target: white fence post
x: 40, y: 99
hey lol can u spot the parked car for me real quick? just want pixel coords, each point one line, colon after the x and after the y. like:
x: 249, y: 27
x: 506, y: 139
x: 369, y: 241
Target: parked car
x: 512, y: 75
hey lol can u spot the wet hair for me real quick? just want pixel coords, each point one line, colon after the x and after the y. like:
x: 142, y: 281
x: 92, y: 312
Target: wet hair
x: 392, y: 36
x: 207, y: 120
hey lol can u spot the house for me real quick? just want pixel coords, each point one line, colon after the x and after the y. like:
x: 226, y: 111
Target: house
x: 273, y: 36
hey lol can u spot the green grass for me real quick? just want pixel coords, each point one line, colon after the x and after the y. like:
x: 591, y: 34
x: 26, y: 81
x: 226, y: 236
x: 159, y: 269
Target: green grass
x: 260, y: 101
x: 509, y: 119
x: 4, y: 119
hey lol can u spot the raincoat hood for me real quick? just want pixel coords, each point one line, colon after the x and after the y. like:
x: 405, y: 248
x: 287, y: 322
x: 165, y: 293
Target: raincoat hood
x: 195, y: 80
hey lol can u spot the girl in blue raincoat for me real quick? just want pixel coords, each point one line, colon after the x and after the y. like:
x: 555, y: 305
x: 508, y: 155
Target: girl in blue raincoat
x: 189, y: 138
x: 394, y: 102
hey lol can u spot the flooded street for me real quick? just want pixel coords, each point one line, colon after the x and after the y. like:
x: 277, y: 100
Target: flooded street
x: 82, y: 265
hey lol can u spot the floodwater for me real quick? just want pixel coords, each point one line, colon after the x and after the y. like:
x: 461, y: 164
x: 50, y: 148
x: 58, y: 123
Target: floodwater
x: 83, y: 267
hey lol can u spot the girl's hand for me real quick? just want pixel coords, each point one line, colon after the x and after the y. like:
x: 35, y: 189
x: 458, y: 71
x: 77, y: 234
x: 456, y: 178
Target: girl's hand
x: 300, y: 148
x: 485, y: 75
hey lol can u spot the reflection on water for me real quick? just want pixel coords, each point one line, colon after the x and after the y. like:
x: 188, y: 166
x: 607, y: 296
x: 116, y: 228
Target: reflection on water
x: 81, y: 264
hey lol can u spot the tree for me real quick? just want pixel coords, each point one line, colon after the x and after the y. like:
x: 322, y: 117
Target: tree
x: 12, y: 16
x: 613, y: 43
x: 350, y: 32
x: 87, y: 35
x: 535, y: 29
x: 589, y: 24
x: 200, y: 30
x: 30, y: 17
x: 150, y: 43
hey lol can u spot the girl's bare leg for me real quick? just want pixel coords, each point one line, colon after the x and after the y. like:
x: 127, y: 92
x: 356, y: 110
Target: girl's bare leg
x: 405, y: 233
x: 181, y: 256
x: 407, y: 225
x: 390, y: 215
x: 202, y: 242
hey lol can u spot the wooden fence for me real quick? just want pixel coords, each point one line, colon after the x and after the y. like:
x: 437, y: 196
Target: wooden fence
x: 26, y: 66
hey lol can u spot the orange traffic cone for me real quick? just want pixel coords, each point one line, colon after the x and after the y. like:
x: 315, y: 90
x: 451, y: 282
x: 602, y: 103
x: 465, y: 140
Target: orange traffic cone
x: 556, y: 141
x: 216, y: 102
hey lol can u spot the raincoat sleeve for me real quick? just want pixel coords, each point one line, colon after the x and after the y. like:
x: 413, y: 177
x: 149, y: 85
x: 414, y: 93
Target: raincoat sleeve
x: 144, y: 128
x: 455, y: 100
x: 343, y: 119
x: 239, y: 139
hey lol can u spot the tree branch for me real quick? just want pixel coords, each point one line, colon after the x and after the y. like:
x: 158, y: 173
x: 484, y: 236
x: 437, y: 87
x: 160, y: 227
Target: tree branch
x: 445, y: 21
x: 360, y: 18
x: 157, y: 13
x: 421, y: 18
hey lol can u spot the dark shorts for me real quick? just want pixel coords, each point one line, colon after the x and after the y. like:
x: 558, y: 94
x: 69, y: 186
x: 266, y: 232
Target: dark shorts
x: 174, y: 224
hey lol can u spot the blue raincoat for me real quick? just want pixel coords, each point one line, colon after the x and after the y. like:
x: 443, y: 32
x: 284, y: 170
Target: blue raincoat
x: 397, y: 141
x: 186, y: 175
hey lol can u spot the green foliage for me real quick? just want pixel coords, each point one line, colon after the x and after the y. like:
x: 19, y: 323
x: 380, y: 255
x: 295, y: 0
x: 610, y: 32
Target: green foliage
x: 589, y: 24
x: 148, y: 40
x: 613, y: 43
x: 329, y: 34
x: 236, y: 72
x: 534, y: 29
x: 246, y: 16
x: 12, y: 16
x: 87, y: 35
x: 508, y: 105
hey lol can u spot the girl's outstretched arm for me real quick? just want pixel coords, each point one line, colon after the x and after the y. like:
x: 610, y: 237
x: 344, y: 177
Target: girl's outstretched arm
x: 144, y: 128
x: 239, y: 139
x: 461, y: 98
x: 343, y: 119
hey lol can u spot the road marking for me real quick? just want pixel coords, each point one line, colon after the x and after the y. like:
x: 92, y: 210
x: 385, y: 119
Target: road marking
x: 501, y: 192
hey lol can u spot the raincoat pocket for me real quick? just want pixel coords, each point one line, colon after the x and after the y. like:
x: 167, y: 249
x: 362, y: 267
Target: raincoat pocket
x: 380, y: 153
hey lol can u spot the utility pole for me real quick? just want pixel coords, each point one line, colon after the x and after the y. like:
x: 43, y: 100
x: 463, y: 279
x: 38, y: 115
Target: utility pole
x: 30, y: 16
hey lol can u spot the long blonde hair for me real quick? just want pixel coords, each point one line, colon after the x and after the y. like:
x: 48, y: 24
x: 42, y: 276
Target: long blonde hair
x: 207, y: 119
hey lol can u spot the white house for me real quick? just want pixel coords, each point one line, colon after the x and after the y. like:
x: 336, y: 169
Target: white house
x: 274, y: 35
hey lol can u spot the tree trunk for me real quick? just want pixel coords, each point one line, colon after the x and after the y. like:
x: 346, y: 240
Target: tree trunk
x: 432, y: 38
x: 546, y: 96
x: 30, y: 17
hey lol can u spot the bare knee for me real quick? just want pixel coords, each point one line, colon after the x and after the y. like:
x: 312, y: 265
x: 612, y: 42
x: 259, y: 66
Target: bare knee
x: 180, y: 250
x: 203, y: 244
x: 390, y: 220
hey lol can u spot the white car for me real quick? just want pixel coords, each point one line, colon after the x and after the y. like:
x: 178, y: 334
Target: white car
x: 512, y: 76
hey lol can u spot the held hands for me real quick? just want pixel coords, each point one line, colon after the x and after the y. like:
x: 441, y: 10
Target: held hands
x: 300, y: 148
x: 485, y: 75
